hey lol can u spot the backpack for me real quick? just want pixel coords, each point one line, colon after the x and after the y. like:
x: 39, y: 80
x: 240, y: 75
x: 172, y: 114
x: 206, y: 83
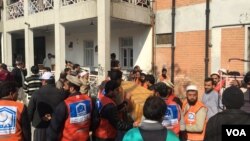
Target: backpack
x: 96, y: 117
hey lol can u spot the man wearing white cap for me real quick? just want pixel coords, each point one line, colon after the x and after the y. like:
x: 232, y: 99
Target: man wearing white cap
x: 194, y: 113
x: 42, y: 104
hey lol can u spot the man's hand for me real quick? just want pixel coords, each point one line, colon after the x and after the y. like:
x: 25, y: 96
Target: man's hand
x: 47, y: 117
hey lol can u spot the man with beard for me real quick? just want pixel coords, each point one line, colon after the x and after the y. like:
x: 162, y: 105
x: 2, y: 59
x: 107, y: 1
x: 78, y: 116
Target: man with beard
x: 143, y: 80
x: 210, y: 98
x: 194, y: 113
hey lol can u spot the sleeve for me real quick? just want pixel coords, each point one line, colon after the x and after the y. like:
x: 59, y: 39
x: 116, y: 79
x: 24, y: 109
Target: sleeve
x: 25, y: 87
x: 26, y: 128
x: 24, y: 70
x: 57, y: 122
x: 111, y: 113
x: 210, y: 134
x: 32, y: 106
x: 200, y: 121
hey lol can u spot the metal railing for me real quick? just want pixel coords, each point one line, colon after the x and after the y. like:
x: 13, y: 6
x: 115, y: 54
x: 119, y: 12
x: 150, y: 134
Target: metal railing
x: 36, y: 6
x: 15, y: 10
x: 142, y: 3
x: 69, y: 2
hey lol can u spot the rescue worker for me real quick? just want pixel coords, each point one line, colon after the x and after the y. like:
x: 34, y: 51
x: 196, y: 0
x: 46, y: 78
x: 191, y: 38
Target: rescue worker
x: 71, y: 120
x: 14, y: 125
x: 172, y: 115
x: 194, y: 113
x: 110, y: 122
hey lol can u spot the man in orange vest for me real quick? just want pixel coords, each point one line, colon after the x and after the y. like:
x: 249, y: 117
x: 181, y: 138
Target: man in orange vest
x: 172, y: 115
x: 194, y: 113
x: 14, y: 121
x: 110, y: 122
x: 71, y: 120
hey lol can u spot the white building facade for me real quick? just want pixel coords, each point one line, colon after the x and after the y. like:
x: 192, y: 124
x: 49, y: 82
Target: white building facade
x: 85, y: 32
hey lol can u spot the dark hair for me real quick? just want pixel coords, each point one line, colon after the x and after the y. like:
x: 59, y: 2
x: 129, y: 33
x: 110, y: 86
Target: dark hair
x: 7, y: 87
x: 164, y: 69
x: 162, y: 89
x: 208, y: 79
x: 4, y: 66
x: 77, y: 88
x: 75, y: 66
x: 35, y: 69
x: 113, y: 55
x: 247, y: 77
x: 150, y: 78
x: 154, y: 108
x: 66, y: 69
x: 111, y: 86
x: 115, y: 74
x: 63, y: 75
x: 47, y: 69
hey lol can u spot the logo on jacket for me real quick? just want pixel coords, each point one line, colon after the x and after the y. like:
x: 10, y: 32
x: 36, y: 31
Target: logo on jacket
x: 79, y: 111
x: 7, y: 120
x: 171, y: 115
x: 191, y: 116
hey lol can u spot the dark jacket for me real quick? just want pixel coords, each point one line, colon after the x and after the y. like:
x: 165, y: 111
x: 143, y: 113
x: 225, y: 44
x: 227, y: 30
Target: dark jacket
x: 43, y: 101
x: 230, y: 116
x: 17, y: 75
x: 246, y: 106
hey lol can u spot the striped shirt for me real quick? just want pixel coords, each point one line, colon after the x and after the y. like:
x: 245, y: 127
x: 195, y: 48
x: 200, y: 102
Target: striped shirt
x: 31, y: 84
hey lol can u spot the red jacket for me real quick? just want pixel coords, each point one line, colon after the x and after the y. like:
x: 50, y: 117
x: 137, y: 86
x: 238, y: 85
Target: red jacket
x: 11, y: 116
x: 105, y: 129
x: 77, y: 124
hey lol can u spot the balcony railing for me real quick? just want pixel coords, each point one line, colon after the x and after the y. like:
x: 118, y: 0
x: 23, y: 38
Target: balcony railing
x: 15, y: 10
x: 69, y: 2
x: 36, y: 6
x: 142, y: 3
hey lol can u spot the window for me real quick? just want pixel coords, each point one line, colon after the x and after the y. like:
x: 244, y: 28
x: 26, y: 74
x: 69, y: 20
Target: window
x: 164, y: 38
x: 126, y: 53
x: 88, y: 53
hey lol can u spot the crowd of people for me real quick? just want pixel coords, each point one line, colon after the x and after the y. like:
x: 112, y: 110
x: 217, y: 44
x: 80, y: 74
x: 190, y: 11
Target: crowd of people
x: 64, y: 109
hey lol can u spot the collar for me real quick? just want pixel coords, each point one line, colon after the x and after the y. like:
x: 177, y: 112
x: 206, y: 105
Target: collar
x: 150, y: 121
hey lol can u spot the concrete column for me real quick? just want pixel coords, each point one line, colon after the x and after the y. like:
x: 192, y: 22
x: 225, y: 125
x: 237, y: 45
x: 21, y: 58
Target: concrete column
x: 59, y: 49
x: 29, y: 48
x: 59, y: 42
x: 7, y: 49
x: 7, y: 44
x: 103, y: 16
x: 216, y: 50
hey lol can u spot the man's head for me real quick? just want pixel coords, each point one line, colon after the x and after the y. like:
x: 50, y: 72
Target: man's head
x: 111, y: 88
x: 35, y: 69
x: 247, y: 79
x: 9, y: 90
x: 215, y: 77
x: 154, y: 108
x: 208, y: 85
x: 161, y: 89
x: 67, y: 70
x: 113, y: 56
x: 19, y: 64
x: 116, y: 75
x: 50, y: 55
x: 76, y: 67
x: 143, y: 77
x: 192, y: 94
x: 47, y: 78
x: 150, y: 79
x: 74, y: 84
x: 164, y: 72
x: 233, y: 98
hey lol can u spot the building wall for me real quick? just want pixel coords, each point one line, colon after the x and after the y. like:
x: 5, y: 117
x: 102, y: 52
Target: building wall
x: 232, y: 46
x: 190, y: 35
x: 142, y: 45
x: 164, y: 4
